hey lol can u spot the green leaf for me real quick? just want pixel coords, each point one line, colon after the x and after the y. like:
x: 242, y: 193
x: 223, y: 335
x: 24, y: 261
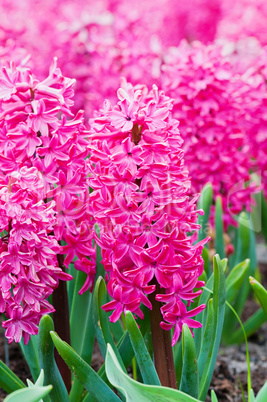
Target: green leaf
x: 100, y: 270
x: 262, y: 394
x: 87, y: 345
x: 30, y: 352
x: 207, y: 342
x: 235, y: 280
x: 135, y: 391
x: 224, y: 263
x: 264, y: 216
x: 204, y: 298
x: 251, y: 396
x: 125, y: 348
x: 86, y: 375
x: 189, y: 379
x: 243, y: 238
x: 143, y: 358
x: 260, y: 292
x: 96, y: 321
x: 39, y: 382
x: 206, y: 258
x: 33, y: 394
x: 204, y: 203
x: 101, y: 291
x: 219, y: 240
x: 178, y: 361
x: 8, y: 380
x: 245, y: 249
x: 70, y: 284
x: 77, y: 321
x: 219, y: 309
x: 213, y: 396
x: 47, y: 361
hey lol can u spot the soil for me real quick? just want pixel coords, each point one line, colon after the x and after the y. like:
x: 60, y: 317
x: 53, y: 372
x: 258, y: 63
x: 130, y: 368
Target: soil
x: 230, y: 369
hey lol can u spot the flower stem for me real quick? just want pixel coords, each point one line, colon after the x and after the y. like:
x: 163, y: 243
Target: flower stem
x: 61, y: 321
x: 161, y: 339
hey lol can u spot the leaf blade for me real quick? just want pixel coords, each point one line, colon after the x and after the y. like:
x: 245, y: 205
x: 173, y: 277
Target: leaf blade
x: 143, y: 358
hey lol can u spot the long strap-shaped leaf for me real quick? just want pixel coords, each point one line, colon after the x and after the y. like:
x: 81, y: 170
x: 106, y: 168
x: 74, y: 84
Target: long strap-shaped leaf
x: 34, y: 394
x: 219, y: 309
x: 80, y: 303
x: 126, y: 351
x: 262, y: 394
x: 203, y: 299
x: 245, y: 248
x: 264, y: 216
x: 235, y: 280
x: 233, y: 283
x: 219, y: 240
x: 47, y: 361
x: 30, y: 352
x: 204, y: 203
x: 251, y: 254
x: 101, y: 293
x: 257, y: 319
x: 143, y: 358
x: 135, y: 391
x: 8, y: 380
x: 260, y: 292
x: 206, y: 349
x: 87, y: 376
x: 189, y: 378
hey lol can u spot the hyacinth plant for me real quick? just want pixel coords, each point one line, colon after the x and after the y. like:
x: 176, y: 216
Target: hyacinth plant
x: 44, y: 193
x: 141, y: 204
x: 144, y: 220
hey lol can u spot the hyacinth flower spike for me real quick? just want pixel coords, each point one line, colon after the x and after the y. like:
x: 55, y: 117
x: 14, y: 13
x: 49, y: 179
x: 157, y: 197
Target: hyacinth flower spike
x: 144, y: 208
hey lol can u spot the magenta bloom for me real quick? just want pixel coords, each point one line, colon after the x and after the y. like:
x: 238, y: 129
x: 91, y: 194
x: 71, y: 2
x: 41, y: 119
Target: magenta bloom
x: 211, y: 103
x: 142, y: 205
x: 27, y: 250
x: 44, y: 194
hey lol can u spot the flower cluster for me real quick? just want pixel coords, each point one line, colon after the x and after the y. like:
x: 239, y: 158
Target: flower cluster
x: 97, y: 43
x: 29, y: 270
x: 251, y: 17
x: 253, y: 72
x: 39, y: 136
x: 141, y: 204
x: 212, y: 96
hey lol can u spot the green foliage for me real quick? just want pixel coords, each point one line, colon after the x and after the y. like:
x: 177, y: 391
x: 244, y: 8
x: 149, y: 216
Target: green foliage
x: 194, y: 358
x: 86, y: 375
x: 30, y: 352
x: 214, y: 340
x: 219, y: 240
x: 143, y: 358
x: 47, y: 361
x: 8, y: 380
x: 135, y: 391
x: 260, y: 292
x: 33, y: 393
x: 190, y: 375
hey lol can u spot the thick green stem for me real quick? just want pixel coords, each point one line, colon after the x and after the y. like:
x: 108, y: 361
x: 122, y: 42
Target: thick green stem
x: 161, y: 339
x: 62, y: 324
